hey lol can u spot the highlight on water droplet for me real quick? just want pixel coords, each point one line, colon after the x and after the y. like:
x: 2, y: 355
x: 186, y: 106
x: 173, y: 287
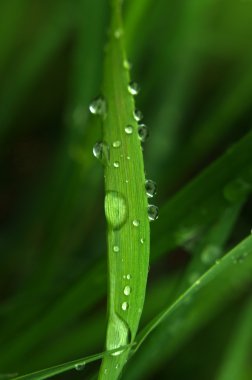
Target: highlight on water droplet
x: 127, y: 290
x: 128, y: 157
x: 143, y: 132
x: 125, y: 306
x: 136, y: 223
x: 133, y: 88
x: 129, y: 129
x: 101, y: 152
x: 98, y: 106
x: 80, y: 366
x: 116, y: 164
x: 151, y: 188
x: 142, y: 240
x: 116, y: 248
x: 138, y: 115
x: 116, y: 144
x: 153, y: 212
x: 116, y: 210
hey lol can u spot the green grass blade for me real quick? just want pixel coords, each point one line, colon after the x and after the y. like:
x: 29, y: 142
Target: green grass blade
x: 238, y: 348
x: 125, y: 203
x: 229, y: 268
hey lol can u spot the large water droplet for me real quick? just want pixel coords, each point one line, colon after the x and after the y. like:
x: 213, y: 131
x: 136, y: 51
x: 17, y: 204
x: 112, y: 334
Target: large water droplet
x: 116, y: 144
x: 151, y: 188
x: 138, y: 115
x: 98, y: 106
x: 133, y: 88
x: 143, y: 132
x: 236, y: 190
x: 118, y: 334
x: 101, y: 152
x: 129, y: 129
x: 152, y: 212
x: 125, y: 306
x: 127, y: 290
x: 116, y: 210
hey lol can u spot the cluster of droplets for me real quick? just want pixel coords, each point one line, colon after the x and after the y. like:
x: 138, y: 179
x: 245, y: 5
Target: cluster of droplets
x: 151, y: 190
x: 126, y: 292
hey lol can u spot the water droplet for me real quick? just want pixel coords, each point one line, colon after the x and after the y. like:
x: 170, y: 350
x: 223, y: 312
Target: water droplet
x: 116, y: 144
x: 210, y: 254
x: 116, y: 248
x: 105, y: 371
x: 118, y: 33
x: 125, y: 306
x: 80, y: 366
x: 128, y: 157
x: 116, y: 210
x: 98, y: 106
x: 142, y: 240
x: 127, y: 290
x: 127, y: 181
x: 143, y: 132
x: 101, y: 152
x: 128, y: 276
x: 116, y: 164
x: 138, y: 115
x: 136, y: 223
x: 126, y: 64
x: 236, y: 190
x: 152, y: 212
x: 151, y: 188
x: 118, y: 334
x: 133, y: 88
x: 129, y: 129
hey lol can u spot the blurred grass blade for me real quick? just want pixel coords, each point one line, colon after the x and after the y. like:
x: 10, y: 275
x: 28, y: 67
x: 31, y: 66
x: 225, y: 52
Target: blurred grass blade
x: 239, y: 347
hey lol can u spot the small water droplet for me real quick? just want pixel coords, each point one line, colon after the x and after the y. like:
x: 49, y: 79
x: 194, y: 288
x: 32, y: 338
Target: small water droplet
x: 80, y: 366
x: 128, y: 276
x: 126, y: 64
x: 142, y: 240
x: 151, y: 188
x: 138, y: 115
x: 127, y: 290
x: 136, y: 223
x: 143, y: 132
x: 105, y: 371
x: 116, y: 248
x: 98, y: 106
x: 129, y: 129
x: 118, y: 33
x: 116, y: 209
x: 128, y: 157
x: 210, y: 254
x: 101, y: 152
x: 116, y: 164
x: 133, y: 88
x: 127, y: 181
x: 236, y: 190
x: 125, y: 306
x: 116, y: 144
x: 152, y: 212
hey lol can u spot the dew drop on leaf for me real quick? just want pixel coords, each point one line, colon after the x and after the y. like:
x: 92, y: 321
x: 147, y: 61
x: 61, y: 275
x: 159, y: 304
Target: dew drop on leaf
x: 80, y: 366
x: 151, y: 188
x: 116, y: 164
x: 125, y: 306
x: 143, y: 132
x: 98, y: 106
x: 116, y: 144
x: 133, y: 88
x: 116, y: 210
x: 101, y: 152
x: 136, y: 223
x: 129, y: 129
x: 118, y: 334
x: 116, y: 248
x: 138, y: 115
x: 127, y: 290
x: 152, y: 212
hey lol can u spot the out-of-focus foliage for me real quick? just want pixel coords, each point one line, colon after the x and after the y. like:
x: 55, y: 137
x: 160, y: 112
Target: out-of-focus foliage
x: 193, y: 61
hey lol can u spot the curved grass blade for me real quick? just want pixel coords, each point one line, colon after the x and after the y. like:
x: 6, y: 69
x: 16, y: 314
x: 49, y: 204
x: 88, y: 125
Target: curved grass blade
x: 125, y: 202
